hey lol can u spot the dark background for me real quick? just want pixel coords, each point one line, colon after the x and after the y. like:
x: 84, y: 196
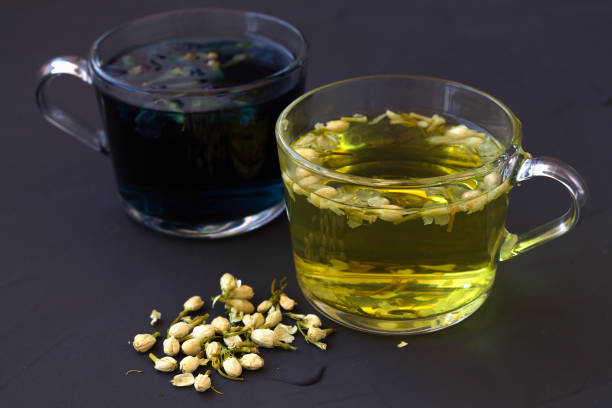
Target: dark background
x: 78, y: 278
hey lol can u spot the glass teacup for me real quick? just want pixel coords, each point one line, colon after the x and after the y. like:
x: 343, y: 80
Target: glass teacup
x: 397, y: 190
x: 189, y: 99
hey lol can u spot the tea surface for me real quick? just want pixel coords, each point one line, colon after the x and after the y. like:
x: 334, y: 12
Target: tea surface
x: 193, y: 64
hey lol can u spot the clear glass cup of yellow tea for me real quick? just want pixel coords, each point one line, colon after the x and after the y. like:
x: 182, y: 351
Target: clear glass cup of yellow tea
x: 397, y: 191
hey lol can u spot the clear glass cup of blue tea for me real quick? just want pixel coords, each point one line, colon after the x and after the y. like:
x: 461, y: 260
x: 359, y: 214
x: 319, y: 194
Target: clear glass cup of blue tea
x: 189, y: 100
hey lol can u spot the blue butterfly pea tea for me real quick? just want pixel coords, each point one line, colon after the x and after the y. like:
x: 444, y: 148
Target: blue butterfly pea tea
x: 190, y: 159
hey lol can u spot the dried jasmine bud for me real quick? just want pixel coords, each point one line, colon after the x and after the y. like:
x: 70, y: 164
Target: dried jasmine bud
x: 232, y: 341
x: 306, y: 321
x: 317, y: 334
x: 314, y: 334
x: 232, y: 367
x: 251, y: 361
x: 193, y: 304
x: 165, y: 364
x: 203, y: 331
x: 227, y: 282
x: 283, y: 332
x: 144, y: 342
x: 221, y: 324
x: 311, y: 320
x: 191, y: 347
x: 273, y: 318
x: 183, y: 380
x: 189, y: 364
x: 242, y: 292
x: 155, y: 317
x: 253, y: 321
x: 213, y: 350
x: 264, y: 306
x: 286, y: 302
x: 235, y: 296
x: 266, y: 338
x: 171, y: 346
x: 263, y: 337
x: 182, y: 329
x: 202, y: 382
x: 241, y: 305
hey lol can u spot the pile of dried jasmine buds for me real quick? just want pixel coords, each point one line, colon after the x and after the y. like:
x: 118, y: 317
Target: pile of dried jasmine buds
x: 229, y: 344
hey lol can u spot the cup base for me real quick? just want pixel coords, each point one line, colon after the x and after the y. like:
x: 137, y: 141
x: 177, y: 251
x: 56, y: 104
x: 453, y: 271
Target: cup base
x: 399, y: 326
x: 221, y: 230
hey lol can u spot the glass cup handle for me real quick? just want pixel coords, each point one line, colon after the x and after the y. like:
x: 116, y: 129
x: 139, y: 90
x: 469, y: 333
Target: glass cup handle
x: 78, y: 67
x: 575, y: 184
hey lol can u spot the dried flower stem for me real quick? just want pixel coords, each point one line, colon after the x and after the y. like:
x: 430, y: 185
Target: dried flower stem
x: 128, y: 372
x: 236, y: 333
x: 285, y: 346
x: 277, y: 292
x: 180, y: 316
x: 204, y: 339
x: 245, y: 349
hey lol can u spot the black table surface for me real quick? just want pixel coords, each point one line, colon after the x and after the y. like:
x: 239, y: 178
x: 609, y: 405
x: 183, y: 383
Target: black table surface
x: 79, y: 278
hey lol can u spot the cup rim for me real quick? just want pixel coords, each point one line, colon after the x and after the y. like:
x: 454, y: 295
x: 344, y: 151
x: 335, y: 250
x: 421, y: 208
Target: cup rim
x: 481, y: 170
x: 298, y: 61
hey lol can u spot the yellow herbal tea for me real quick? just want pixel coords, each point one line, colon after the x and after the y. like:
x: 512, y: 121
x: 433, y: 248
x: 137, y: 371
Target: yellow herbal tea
x: 395, y: 252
